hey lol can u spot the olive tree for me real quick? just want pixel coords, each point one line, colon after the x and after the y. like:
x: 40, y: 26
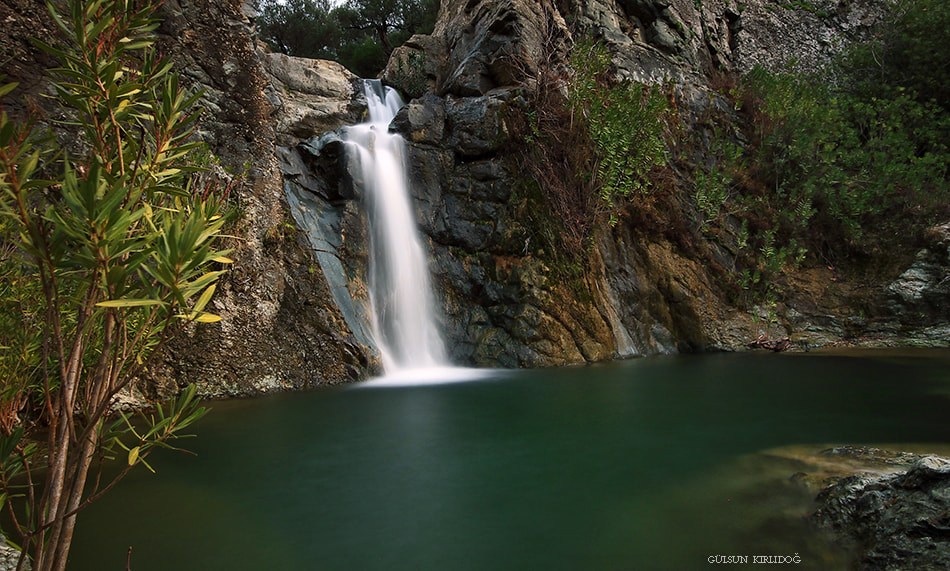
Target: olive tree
x: 302, y: 28
x: 107, y: 250
x: 360, y: 34
x: 384, y: 18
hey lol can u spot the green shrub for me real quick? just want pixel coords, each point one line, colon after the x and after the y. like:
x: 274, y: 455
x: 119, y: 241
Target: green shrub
x: 624, y: 124
x: 851, y: 161
x: 845, y: 163
x: 910, y: 55
x: 107, y: 252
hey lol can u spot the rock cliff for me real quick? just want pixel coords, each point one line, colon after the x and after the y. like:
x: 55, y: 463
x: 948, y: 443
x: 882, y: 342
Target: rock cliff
x: 294, y: 302
x: 643, y: 289
x: 280, y: 327
x: 895, y: 521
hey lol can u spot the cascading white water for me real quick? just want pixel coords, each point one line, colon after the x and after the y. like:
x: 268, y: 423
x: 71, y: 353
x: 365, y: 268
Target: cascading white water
x: 403, y: 315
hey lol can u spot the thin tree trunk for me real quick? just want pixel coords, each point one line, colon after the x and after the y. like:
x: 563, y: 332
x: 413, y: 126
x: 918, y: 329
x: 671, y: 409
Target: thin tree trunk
x: 71, y: 480
x: 75, y: 498
x: 381, y: 32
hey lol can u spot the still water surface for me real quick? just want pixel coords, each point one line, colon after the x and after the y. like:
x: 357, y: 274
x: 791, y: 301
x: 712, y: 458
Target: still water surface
x: 646, y: 464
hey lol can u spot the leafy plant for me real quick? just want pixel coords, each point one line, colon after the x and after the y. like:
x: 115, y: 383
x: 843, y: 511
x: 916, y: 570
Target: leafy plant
x: 589, y: 144
x: 843, y: 164
x: 624, y: 123
x: 843, y: 161
x: 117, y: 237
x: 710, y: 192
x: 410, y: 73
x: 909, y: 55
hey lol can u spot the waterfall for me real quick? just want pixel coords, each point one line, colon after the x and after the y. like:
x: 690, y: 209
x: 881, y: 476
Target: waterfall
x: 400, y: 293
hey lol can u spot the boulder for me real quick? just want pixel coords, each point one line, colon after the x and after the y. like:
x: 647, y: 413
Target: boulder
x: 476, y: 124
x: 281, y: 328
x: 311, y: 96
x: 417, y: 67
x: 897, y: 521
x: 921, y: 295
x: 478, y: 46
x: 9, y: 557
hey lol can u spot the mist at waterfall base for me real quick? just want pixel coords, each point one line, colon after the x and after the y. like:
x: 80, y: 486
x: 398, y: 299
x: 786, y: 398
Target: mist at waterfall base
x: 402, y: 308
x: 649, y: 464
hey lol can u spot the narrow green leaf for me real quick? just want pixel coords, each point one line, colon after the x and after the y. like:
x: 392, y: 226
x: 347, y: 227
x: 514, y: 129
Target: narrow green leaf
x: 133, y: 456
x: 167, y: 173
x: 4, y: 89
x: 204, y: 298
x: 208, y: 318
x: 128, y: 302
x: 202, y: 318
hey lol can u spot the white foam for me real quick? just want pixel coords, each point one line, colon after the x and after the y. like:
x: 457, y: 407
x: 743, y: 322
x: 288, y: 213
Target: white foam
x: 430, y: 376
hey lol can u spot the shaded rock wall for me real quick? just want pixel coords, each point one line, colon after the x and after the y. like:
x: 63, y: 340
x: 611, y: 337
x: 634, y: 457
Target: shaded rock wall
x: 505, y: 302
x: 919, y: 299
x: 640, y: 292
x: 280, y: 327
x: 648, y: 291
x: 484, y: 44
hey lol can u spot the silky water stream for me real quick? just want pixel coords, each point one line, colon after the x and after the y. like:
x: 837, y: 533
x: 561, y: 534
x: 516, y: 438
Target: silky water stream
x: 653, y: 463
x: 404, y: 317
x: 403, y: 311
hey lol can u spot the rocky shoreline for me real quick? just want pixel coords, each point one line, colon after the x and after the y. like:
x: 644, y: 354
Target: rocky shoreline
x: 890, y: 510
x: 894, y: 521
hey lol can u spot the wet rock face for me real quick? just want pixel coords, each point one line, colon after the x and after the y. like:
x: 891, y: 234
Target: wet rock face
x: 294, y: 302
x: 296, y: 298
x: 502, y: 306
x: 647, y: 294
x: 281, y: 328
x: 506, y: 303
x: 921, y: 295
x: 898, y: 521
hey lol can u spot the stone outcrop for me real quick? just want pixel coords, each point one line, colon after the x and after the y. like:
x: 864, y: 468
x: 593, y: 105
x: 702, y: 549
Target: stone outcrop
x: 280, y: 327
x: 920, y: 297
x: 311, y: 96
x: 9, y: 557
x: 896, y: 521
x: 505, y: 302
x: 481, y: 45
x: 641, y: 293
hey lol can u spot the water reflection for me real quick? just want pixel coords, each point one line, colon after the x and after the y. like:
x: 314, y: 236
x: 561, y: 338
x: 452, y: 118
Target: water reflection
x: 646, y: 464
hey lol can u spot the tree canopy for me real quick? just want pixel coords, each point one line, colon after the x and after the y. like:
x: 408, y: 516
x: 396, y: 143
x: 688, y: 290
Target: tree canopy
x: 360, y: 34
